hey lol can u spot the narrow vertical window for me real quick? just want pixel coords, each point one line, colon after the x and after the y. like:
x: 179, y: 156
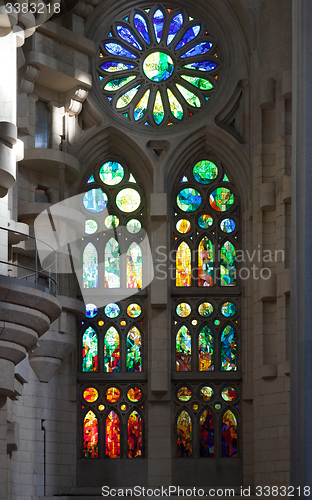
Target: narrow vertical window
x: 229, y: 434
x: 205, y: 350
x: 90, y: 266
x: 184, y: 435
x: 42, y: 125
x: 112, y: 264
x: 111, y: 351
x: 112, y: 435
x: 183, y: 265
x: 206, y: 434
x: 205, y: 263
x: 183, y: 350
x: 228, y: 349
x: 90, y: 436
x: 228, y: 265
x: 134, y: 350
x: 89, y: 351
x: 134, y: 266
x: 135, y: 434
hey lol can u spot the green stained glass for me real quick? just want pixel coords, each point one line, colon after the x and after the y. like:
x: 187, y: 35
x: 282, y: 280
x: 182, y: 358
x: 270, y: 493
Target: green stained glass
x: 189, y: 200
x: 141, y: 107
x: 225, y: 178
x: 111, y: 222
x: 175, y: 106
x: 111, y: 351
x: 89, y: 351
x: 134, y: 310
x: 205, y: 221
x: 134, y: 350
x: 126, y: 98
x: 189, y: 96
x: 228, y: 309
x: 112, y: 310
x: 183, y: 310
x: 183, y: 350
x: 221, y: 199
x: 228, y: 349
x: 90, y: 226
x: 128, y: 200
x: 200, y: 83
x: 205, y: 350
x: 158, y: 111
x: 90, y: 267
x: 205, y: 262
x: 111, y: 173
x: 158, y: 66
x: 228, y: 264
x: 134, y: 226
x: 117, y: 83
x: 205, y: 172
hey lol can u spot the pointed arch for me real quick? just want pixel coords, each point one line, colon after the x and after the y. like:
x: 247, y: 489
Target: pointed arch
x: 90, y: 436
x: 206, y: 434
x: 134, y: 266
x: 89, y: 351
x: 112, y: 264
x: 183, y: 350
x: 135, y: 435
x: 183, y: 265
x: 229, y: 434
x: 184, y: 434
x: 111, y: 351
x: 90, y: 266
x: 134, y: 350
x: 228, y: 349
x: 205, y: 262
x: 205, y: 350
x: 112, y: 435
x: 228, y: 264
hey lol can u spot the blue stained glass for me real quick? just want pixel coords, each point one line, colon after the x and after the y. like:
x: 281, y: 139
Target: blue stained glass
x: 189, y: 35
x: 126, y: 35
x: 100, y: 78
x: 175, y: 26
x: 227, y: 225
x: 110, y: 34
x: 118, y: 50
x: 200, y: 48
x: 188, y: 200
x: 141, y: 26
x: 109, y: 98
x: 116, y: 66
x: 126, y: 19
x: 91, y: 179
x: 158, y: 21
x: 201, y: 66
x: 146, y: 123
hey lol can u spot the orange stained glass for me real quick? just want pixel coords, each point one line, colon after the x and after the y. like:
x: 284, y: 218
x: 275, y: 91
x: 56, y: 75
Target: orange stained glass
x: 135, y: 429
x: 112, y: 436
x: 205, y: 263
x: 90, y: 436
x: 183, y: 265
x: 90, y: 394
x: 112, y: 394
x: 134, y: 394
x: 184, y: 435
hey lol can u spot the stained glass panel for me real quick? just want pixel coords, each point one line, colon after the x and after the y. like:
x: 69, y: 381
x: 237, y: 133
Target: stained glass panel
x: 141, y: 107
x: 191, y: 98
x: 112, y: 436
x: 95, y: 200
x: 112, y: 264
x: 158, y: 110
x: 221, y: 199
x: 134, y: 226
x: 205, y: 171
x: 90, y: 266
x: 205, y: 221
x: 90, y: 226
x: 198, y: 82
x: 91, y: 310
x: 183, y: 310
x: 91, y: 179
x: 134, y: 394
x: 189, y: 35
x: 205, y: 350
x: 126, y: 98
x: 201, y: 66
x: 158, y: 66
x: 111, y: 222
x: 126, y: 35
x: 90, y: 436
x: 205, y: 309
x: 134, y: 350
x: 184, y: 435
x: 184, y: 394
x: 205, y: 262
x: 175, y: 106
x: 228, y: 349
x: 183, y: 350
x: 206, y: 393
x: 118, y: 50
x: 228, y: 264
x: 135, y: 435
x: 227, y: 225
x: 111, y: 351
x: 183, y: 226
x: 228, y: 309
x: 90, y: 394
x: 111, y: 66
x: 189, y: 200
x: 206, y: 434
x: 134, y: 310
x: 228, y: 394
x: 141, y: 26
x: 229, y: 435
x: 175, y: 26
x: 112, y: 310
x: 89, y: 351
x: 134, y: 266
x: 183, y: 265
x: 113, y: 395
x: 128, y: 200
x: 118, y: 83
x: 200, y: 48
x: 158, y: 22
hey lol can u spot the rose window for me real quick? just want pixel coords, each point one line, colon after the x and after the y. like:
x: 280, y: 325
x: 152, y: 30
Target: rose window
x: 158, y: 66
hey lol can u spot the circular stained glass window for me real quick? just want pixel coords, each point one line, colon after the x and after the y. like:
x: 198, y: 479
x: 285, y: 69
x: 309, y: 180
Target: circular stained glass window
x: 128, y: 200
x: 112, y: 310
x: 90, y: 394
x: 221, y: 199
x: 206, y: 393
x: 195, y: 406
x: 183, y: 310
x: 101, y: 323
x: 95, y: 200
x: 123, y: 323
x: 205, y: 221
x: 134, y: 394
x: 111, y: 222
x: 184, y: 394
x: 112, y: 394
x: 217, y: 322
x: 227, y: 225
x: 205, y: 309
x: 111, y: 173
x: 134, y: 310
x: 91, y: 310
x: 194, y: 322
x: 183, y: 226
x: 123, y: 407
x: 189, y: 200
x: 217, y: 406
x: 164, y: 85
x: 101, y: 407
x: 228, y: 309
x: 228, y: 394
x: 134, y: 226
x: 205, y: 172
x: 90, y: 226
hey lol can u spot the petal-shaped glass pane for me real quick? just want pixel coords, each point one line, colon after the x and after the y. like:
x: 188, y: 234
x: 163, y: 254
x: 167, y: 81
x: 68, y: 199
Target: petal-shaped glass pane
x: 228, y: 264
x: 111, y: 351
x: 184, y: 435
x: 228, y: 349
x: 158, y: 111
x: 158, y: 22
x: 90, y: 436
x: 134, y: 350
x: 205, y: 350
x: 118, y: 50
x: 189, y: 35
x: 126, y: 35
x: 200, y: 48
x: 128, y: 200
x: 90, y: 267
x: 205, y: 171
x: 118, y: 83
x: 229, y: 435
x: 206, y: 434
x: 183, y: 265
x: 200, y: 83
x: 141, y: 107
x: 183, y: 350
x: 111, y: 173
x: 201, y: 66
x: 135, y: 434
x: 191, y: 98
x: 134, y: 266
x: 175, y: 106
x: 89, y: 351
x: 205, y: 262
x: 175, y: 26
x: 126, y: 98
x: 111, y: 67
x: 112, y: 264
x: 112, y: 435
x: 189, y: 200
x: 141, y: 26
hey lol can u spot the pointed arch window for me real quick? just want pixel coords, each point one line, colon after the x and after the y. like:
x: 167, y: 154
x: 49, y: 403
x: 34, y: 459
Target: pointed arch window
x: 134, y: 266
x: 183, y: 265
x: 90, y: 266
x: 89, y: 351
x: 206, y: 434
x: 183, y: 350
x: 111, y: 351
x: 205, y: 350
x: 90, y: 435
x: 112, y: 435
x: 184, y: 435
x: 229, y: 434
x: 112, y: 264
x: 134, y: 350
x: 135, y: 435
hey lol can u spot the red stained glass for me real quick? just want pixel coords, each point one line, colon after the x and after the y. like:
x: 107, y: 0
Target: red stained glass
x: 184, y: 435
x: 112, y: 436
x: 135, y: 434
x: 90, y: 436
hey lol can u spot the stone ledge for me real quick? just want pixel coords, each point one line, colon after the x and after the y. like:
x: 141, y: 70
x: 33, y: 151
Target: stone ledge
x: 73, y: 39
x: 47, y: 161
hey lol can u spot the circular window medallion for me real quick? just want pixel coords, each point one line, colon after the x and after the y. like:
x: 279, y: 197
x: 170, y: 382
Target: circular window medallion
x: 112, y: 394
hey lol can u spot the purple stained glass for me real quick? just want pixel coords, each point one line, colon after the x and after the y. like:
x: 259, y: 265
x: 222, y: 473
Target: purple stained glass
x: 141, y: 26
x: 189, y: 35
x: 175, y: 26
x: 200, y: 48
x: 201, y: 66
x: 118, y: 50
x: 158, y: 21
x: 126, y: 35
x: 116, y: 66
